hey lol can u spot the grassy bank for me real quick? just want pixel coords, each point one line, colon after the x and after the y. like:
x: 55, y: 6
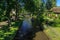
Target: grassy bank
x: 53, y: 34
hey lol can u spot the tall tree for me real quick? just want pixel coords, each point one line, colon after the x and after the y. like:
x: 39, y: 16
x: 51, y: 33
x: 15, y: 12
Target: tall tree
x: 29, y: 5
x: 53, y: 3
x: 38, y: 6
x: 17, y: 10
x: 48, y: 4
x: 2, y: 9
x: 40, y: 15
x: 10, y: 5
x: 8, y: 11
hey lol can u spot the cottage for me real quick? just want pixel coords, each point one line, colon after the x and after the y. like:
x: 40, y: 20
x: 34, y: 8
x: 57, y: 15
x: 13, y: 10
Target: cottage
x: 56, y: 10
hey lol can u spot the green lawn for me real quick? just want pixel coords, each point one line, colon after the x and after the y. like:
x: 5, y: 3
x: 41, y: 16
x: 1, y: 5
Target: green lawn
x: 53, y: 34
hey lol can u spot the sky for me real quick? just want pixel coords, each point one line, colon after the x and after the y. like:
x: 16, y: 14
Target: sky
x: 58, y: 3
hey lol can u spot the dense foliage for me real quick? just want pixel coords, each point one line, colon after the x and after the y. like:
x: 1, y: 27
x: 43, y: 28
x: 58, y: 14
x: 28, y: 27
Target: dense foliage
x: 38, y: 8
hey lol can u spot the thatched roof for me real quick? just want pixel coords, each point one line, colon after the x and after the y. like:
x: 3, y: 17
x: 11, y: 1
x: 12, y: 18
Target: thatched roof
x: 56, y: 9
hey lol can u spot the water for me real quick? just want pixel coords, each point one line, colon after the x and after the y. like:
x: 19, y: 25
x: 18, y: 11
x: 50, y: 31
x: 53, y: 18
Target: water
x: 26, y: 26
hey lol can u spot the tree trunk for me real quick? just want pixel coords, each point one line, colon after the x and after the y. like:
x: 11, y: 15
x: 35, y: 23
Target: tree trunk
x: 8, y: 13
x: 16, y: 18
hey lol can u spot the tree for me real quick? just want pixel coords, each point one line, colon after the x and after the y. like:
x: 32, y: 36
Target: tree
x: 48, y: 4
x: 10, y: 5
x: 40, y: 15
x: 29, y: 5
x: 38, y: 6
x: 17, y: 10
x: 53, y: 3
x: 2, y: 9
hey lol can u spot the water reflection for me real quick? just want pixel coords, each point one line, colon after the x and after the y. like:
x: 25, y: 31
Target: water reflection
x: 26, y: 32
x: 26, y: 25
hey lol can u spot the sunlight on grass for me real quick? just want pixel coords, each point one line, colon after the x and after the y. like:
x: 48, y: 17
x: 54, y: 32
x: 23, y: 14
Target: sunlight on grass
x: 13, y: 28
x: 52, y: 35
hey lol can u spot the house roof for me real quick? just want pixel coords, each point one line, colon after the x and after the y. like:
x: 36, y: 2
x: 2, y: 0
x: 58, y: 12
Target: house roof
x: 56, y: 9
